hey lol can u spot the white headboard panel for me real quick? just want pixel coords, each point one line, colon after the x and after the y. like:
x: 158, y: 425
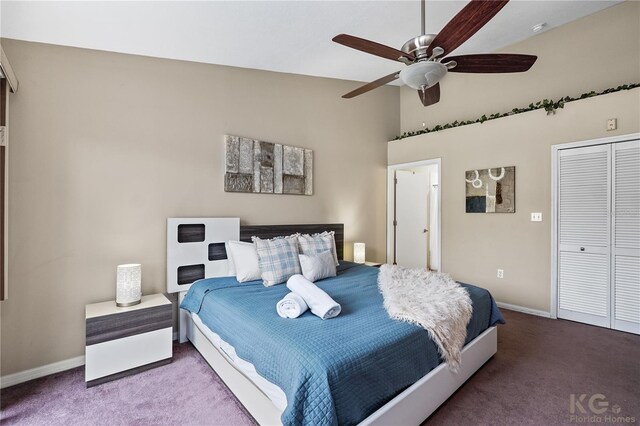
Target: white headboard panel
x: 195, y: 249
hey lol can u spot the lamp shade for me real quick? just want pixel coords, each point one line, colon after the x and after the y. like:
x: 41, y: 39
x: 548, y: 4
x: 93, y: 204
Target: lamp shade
x: 129, y: 284
x: 358, y: 252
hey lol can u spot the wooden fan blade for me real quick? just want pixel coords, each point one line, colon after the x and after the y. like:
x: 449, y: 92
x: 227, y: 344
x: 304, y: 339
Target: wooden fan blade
x: 492, y: 63
x: 430, y: 96
x: 373, y: 85
x: 466, y: 23
x: 372, y: 47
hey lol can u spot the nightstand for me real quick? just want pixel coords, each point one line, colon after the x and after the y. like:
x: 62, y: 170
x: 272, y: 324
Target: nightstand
x: 374, y: 264
x: 125, y: 341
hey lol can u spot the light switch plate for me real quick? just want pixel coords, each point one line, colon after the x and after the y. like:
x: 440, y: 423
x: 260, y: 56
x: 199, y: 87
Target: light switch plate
x: 536, y: 217
x: 612, y: 124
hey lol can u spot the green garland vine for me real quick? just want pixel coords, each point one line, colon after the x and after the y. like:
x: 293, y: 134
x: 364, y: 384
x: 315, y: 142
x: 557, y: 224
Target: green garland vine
x: 549, y: 105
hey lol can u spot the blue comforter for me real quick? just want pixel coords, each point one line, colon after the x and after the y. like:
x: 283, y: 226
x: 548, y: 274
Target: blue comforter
x: 336, y: 371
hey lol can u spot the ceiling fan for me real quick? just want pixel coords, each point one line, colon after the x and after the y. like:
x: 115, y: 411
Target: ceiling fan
x: 423, y: 54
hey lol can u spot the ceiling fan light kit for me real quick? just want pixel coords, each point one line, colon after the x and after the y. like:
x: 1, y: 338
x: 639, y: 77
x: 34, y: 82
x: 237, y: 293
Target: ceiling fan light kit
x: 423, y: 54
x: 423, y: 75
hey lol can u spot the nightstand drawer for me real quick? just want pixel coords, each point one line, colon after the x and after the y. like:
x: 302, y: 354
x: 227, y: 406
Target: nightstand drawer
x: 115, y: 356
x: 118, y: 325
x: 126, y: 340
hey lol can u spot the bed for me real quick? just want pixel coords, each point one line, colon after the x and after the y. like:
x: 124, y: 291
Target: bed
x: 359, y: 368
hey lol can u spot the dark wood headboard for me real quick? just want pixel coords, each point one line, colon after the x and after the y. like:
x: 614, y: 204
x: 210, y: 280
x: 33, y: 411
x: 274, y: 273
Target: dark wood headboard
x: 271, y: 231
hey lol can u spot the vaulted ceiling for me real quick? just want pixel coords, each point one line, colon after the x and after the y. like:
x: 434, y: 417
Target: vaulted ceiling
x: 285, y: 36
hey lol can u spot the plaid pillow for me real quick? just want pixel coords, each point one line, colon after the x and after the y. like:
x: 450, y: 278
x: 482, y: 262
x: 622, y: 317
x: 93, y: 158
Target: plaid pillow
x: 313, y: 245
x: 278, y: 259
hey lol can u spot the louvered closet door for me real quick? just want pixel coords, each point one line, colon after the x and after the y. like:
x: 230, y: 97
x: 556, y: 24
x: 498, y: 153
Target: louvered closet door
x: 626, y: 237
x: 584, y: 234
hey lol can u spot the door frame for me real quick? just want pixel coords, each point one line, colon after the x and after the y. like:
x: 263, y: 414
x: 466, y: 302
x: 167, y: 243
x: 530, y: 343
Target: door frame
x: 391, y: 198
x: 555, y: 149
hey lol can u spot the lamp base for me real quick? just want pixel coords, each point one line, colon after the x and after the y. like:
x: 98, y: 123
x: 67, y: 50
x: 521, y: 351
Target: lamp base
x: 127, y: 304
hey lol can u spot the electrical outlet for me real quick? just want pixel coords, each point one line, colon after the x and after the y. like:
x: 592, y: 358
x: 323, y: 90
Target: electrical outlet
x: 536, y: 217
x: 612, y: 124
x: 500, y: 273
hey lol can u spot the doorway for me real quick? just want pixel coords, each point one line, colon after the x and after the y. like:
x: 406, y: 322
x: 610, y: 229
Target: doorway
x: 413, y: 214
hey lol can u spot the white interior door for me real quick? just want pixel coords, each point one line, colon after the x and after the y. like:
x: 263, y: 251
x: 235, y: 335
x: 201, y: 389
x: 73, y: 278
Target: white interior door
x: 411, y: 192
x: 625, y: 258
x: 584, y: 200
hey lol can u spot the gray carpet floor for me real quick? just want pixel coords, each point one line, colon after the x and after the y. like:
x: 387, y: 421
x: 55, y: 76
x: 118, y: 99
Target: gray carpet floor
x: 539, y: 364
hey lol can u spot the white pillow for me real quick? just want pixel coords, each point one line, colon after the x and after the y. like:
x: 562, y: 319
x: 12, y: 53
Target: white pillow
x: 231, y: 267
x: 319, y: 266
x: 245, y: 260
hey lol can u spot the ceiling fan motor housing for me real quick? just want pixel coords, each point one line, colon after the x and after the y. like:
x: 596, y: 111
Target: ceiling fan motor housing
x: 418, y: 46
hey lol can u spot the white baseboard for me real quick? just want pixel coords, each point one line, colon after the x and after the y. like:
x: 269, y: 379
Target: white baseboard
x: 523, y: 309
x: 45, y: 370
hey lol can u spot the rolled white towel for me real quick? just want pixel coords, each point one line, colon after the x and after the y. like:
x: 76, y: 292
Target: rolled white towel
x: 291, y: 306
x: 320, y: 303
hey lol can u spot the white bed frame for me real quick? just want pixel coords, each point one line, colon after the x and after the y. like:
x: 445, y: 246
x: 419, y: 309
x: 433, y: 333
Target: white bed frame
x: 411, y: 407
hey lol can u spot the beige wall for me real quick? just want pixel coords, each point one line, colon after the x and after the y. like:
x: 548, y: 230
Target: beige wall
x: 474, y: 246
x: 593, y: 53
x: 106, y: 146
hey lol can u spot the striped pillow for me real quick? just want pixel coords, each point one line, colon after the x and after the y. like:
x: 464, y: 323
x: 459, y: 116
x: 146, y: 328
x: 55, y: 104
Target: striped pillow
x: 313, y: 245
x: 278, y: 259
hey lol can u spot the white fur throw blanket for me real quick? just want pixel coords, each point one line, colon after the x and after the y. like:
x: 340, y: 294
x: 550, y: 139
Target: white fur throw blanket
x: 432, y: 301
